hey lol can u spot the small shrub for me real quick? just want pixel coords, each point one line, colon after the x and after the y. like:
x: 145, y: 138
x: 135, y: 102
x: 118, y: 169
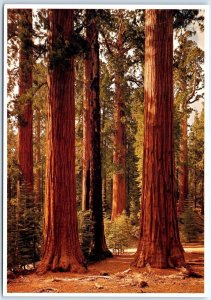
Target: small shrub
x: 189, y: 226
x: 118, y: 233
x: 24, y: 230
x: 85, y: 225
x: 134, y: 213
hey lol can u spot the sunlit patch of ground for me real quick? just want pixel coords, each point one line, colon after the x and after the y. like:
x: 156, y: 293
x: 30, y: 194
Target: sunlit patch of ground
x: 115, y: 275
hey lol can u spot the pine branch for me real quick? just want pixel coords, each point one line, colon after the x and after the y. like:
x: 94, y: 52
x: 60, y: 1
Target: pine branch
x: 107, y: 43
x: 196, y: 99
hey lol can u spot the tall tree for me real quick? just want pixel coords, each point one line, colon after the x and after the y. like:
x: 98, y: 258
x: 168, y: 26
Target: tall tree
x: 40, y: 94
x: 86, y: 118
x: 25, y: 144
x: 159, y: 243
x: 188, y: 75
x: 119, y: 152
x: 107, y: 107
x: 61, y: 251
x: 99, y: 248
x: 126, y: 36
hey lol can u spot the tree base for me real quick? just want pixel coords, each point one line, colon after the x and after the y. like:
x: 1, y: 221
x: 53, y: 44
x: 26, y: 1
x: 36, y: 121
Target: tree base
x: 157, y: 259
x: 96, y: 256
x: 62, y: 265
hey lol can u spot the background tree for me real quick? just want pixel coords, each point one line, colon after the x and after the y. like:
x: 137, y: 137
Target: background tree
x: 126, y: 32
x: 39, y: 107
x: 107, y: 108
x: 119, y: 143
x: 159, y: 243
x: 98, y: 245
x: 188, y: 78
x: 25, y: 144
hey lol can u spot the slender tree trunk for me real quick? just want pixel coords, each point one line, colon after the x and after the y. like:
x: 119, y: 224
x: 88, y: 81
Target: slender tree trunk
x: 37, y: 159
x: 61, y: 250
x: 183, y: 170
x: 86, y: 126
x: 159, y: 243
x: 25, y: 144
x: 99, y: 248
x: 119, y: 153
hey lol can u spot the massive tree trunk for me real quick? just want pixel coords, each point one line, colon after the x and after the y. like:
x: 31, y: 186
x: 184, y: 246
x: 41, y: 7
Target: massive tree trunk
x: 25, y: 144
x: 99, y: 248
x: 61, y: 251
x: 159, y: 244
x: 119, y: 152
x: 86, y: 124
x: 183, y: 168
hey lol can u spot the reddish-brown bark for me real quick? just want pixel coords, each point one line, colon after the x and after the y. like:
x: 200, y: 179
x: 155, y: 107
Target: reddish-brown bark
x: 25, y: 140
x: 61, y: 251
x: 159, y: 243
x: 119, y: 152
x: 99, y: 248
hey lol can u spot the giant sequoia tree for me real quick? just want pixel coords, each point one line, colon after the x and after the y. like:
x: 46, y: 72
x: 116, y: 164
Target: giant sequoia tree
x: 92, y: 172
x: 159, y: 243
x: 25, y: 146
x: 61, y: 249
x: 119, y: 152
x: 188, y: 75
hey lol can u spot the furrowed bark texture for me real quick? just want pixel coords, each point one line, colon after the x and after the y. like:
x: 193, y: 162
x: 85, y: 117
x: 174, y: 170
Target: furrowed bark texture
x: 119, y: 153
x: 62, y: 250
x: 159, y: 243
x: 25, y: 139
x: 86, y: 124
x: 99, y: 248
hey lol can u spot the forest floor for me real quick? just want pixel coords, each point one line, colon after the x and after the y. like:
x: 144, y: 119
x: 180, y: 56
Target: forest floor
x: 115, y: 275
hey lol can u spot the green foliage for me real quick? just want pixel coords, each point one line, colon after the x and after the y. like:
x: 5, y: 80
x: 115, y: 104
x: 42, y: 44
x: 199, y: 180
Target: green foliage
x: 137, y: 114
x: 196, y: 161
x: 134, y: 212
x: 190, y: 225
x: 62, y: 50
x: 85, y: 226
x: 188, y: 89
x: 188, y: 71
x: 118, y: 232
x: 13, y: 172
x: 24, y: 230
x: 183, y: 17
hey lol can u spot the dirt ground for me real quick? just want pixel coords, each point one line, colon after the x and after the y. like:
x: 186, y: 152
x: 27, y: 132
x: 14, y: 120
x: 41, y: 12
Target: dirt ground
x: 115, y: 275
